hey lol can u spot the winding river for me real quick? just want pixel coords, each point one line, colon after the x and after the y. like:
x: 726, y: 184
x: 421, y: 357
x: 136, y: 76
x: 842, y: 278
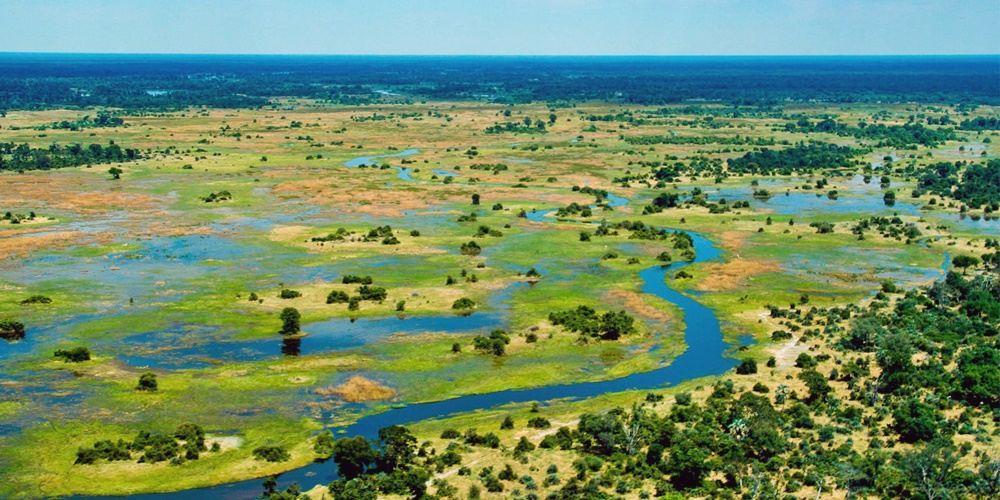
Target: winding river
x: 705, y: 356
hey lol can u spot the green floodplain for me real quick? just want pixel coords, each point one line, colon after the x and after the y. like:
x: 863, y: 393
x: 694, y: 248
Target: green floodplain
x: 184, y: 261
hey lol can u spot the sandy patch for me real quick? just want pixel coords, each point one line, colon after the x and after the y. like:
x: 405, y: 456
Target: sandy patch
x: 318, y: 492
x: 786, y: 355
x: 226, y: 443
x: 358, y: 389
x: 727, y: 276
x: 635, y: 303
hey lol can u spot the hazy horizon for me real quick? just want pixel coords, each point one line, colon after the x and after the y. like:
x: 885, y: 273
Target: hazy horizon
x: 504, y: 28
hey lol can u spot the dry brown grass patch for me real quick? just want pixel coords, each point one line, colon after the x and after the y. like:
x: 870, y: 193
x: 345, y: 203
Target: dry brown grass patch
x: 635, y: 303
x: 358, y: 389
x: 26, y: 244
x: 733, y: 240
x: 727, y: 276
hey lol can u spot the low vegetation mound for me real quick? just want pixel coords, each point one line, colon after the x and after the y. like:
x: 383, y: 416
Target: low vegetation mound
x: 358, y: 389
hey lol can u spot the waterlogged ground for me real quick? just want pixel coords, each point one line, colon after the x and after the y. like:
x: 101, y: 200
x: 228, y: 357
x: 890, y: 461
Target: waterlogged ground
x: 149, y: 277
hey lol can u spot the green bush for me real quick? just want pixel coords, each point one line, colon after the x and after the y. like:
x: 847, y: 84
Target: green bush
x: 337, y: 297
x: 747, y: 367
x: 463, y: 303
x: 147, y: 382
x: 11, y: 330
x: 36, y: 299
x: 271, y: 454
x: 74, y: 355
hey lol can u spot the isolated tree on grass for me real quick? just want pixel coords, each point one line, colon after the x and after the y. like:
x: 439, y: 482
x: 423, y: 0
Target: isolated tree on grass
x: 116, y: 173
x: 147, y: 382
x: 290, y: 321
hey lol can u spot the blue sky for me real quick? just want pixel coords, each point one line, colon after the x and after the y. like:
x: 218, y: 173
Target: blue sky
x: 503, y: 27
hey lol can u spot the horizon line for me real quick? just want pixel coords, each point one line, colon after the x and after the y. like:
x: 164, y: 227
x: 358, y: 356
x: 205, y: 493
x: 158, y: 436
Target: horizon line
x: 481, y: 55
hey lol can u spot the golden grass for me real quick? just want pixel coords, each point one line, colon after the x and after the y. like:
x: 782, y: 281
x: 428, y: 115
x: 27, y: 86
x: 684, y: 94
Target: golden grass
x: 634, y: 302
x: 730, y: 275
x: 358, y: 389
x: 26, y: 244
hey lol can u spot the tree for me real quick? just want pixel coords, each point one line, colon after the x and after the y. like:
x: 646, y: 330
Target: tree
x: 964, y: 262
x: 74, y: 355
x: 147, y: 382
x: 915, y: 421
x: 372, y: 292
x: 894, y: 356
x: 819, y: 389
x: 463, y: 303
x: 270, y: 453
x: 687, y: 464
x: 977, y: 378
x: 931, y: 471
x: 290, y: 321
x: 470, y: 248
x: 508, y: 423
x: 398, y: 447
x: 353, y: 456
x: 11, y: 330
x: 889, y: 198
x: 475, y: 199
x: 360, y: 488
x: 116, y: 173
x: 805, y: 361
x: 337, y: 297
x: 747, y: 367
x: 987, y: 483
x: 324, y: 443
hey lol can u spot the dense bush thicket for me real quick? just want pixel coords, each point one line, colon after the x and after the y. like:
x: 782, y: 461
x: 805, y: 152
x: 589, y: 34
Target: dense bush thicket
x: 186, y: 443
x: 22, y: 157
x: 905, y: 136
x: 801, y: 158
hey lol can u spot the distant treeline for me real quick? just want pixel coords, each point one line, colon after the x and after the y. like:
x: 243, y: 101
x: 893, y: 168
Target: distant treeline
x: 891, y: 136
x: 22, y: 157
x: 31, y: 81
x: 646, y: 140
x: 981, y: 123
